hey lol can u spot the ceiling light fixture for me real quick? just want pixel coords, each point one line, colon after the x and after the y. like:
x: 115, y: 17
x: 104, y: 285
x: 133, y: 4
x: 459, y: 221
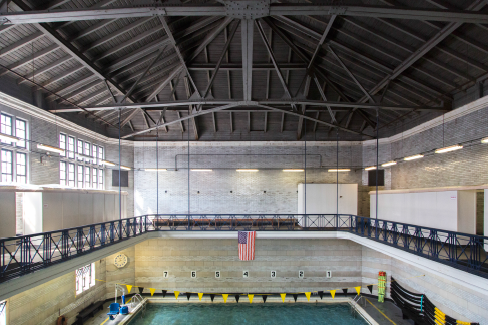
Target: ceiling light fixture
x: 370, y: 168
x: 125, y: 168
x: 8, y: 138
x: 50, y: 148
x: 247, y: 170
x: 155, y: 170
x: 484, y: 140
x: 108, y: 163
x: 201, y: 170
x: 413, y: 157
x: 388, y: 164
x: 339, y: 170
x: 293, y: 170
x: 448, y: 149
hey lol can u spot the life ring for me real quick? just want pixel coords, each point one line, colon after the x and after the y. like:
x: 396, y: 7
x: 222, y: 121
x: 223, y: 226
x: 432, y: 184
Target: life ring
x: 62, y: 320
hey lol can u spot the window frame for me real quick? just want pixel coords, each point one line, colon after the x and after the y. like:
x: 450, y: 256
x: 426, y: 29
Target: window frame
x: 17, y: 175
x: 71, y: 173
x: 4, y: 166
x: 85, y: 278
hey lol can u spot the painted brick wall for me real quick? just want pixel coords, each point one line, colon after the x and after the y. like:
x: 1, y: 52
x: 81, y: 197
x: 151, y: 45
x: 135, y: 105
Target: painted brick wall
x: 226, y: 191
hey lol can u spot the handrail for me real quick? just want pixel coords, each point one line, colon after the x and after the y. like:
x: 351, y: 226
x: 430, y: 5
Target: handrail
x: 25, y: 254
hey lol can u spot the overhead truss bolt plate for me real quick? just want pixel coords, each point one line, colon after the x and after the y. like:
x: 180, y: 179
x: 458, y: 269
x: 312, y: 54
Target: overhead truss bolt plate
x: 247, y: 9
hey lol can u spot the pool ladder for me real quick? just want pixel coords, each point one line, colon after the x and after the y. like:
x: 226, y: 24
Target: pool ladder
x: 355, y: 302
x: 140, y: 300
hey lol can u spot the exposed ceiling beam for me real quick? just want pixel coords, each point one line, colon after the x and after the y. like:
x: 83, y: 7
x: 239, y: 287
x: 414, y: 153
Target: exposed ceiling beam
x: 306, y: 89
x: 247, y: 42
x: 275, y: 9
x: 308, y: 102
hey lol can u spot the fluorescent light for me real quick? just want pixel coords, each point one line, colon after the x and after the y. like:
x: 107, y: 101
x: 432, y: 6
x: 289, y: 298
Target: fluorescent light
x: 484, y: 140
x: 155, y: 169
x: 50, y: 148
x: 124, y: 168
x: 201, y: 170
x: 7, y: 137
x: 108, y: 163
x: 247, y: 170
x: 390, y: 163
x: 370, y: 168
x: 293, y: 170
x: 413, y: 157
x: 338, y: 170
x: 450, y: 148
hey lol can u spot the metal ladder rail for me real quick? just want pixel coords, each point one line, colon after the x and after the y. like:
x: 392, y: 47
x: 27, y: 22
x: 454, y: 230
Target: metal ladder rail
x: 141, y: 301
x: 355, y: 301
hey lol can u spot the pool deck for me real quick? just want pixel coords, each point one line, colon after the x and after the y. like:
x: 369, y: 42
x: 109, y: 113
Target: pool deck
x: 385, y: 313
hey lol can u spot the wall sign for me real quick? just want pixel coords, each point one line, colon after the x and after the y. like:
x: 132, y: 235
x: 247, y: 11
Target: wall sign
x: 329, y: 274
x: 217, y: 274
x: 301, y: 274
x: 273, y: 274
x: 245, y: 274
x: 193, y: 274
x: 165, y: 274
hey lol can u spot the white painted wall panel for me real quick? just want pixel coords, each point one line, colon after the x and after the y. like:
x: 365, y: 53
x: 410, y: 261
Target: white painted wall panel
x: 98, y: 208
x: 429, y: 209
x: 322, y: 199
x: 467, y: 211
x: 85, y: 209
x: 71, y: 211
x: 52, y: 211
x: 32, y: 212
x: 7, y: 214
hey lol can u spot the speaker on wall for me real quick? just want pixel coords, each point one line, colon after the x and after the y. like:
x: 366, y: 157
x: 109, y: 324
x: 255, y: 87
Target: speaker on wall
x: 372, y: 177
x: 124, y: 178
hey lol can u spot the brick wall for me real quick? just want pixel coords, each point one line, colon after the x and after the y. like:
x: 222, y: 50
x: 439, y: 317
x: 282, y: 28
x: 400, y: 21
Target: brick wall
x: 226, y: 191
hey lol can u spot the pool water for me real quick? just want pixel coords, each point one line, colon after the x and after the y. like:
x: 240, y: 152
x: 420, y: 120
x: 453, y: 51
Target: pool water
x: 269, y: 313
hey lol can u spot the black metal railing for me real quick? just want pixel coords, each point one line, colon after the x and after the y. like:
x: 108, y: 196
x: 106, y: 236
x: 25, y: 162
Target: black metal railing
x: 25, y: 254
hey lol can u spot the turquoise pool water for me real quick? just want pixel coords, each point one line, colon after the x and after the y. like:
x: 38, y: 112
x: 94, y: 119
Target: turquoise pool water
x: 269, y: 313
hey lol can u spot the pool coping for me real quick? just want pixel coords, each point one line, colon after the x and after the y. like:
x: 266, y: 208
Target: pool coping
x: 207, y: 300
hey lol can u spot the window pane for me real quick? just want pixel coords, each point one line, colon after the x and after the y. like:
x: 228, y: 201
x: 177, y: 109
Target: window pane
x: 100, y: 155
x: 6, y: 126
x: 80, y: 176
x: 20, y: 132
x: 71, y: 175
x: 7, y: 172
x: 100, y: 179
x: 87, y: 151
x: 95, y: 178
x: 62, y: 143
x: 80, y: 148
x: 94, y: 154
x: 71, y: 147
x: 87, y: 177
x: 21, y: 168
x: 62, y: 173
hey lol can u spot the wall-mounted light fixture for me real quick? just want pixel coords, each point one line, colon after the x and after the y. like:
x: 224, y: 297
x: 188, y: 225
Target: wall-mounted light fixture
x: 201, y: 170
x: 247, y: 170
x: 370, y: 168
x: 10, y: 138
x: 339, y: 170
x: 108, y: 163
x: 448, y: 149
x: 50, y: 148
x: 413, y: 157
x: 388, y: 164
x: 484, y: 140
x: 125, y: 168
x: 293, y: 170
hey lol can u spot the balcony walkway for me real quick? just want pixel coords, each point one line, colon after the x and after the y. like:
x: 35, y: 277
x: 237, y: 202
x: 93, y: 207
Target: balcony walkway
x: 29, y: 253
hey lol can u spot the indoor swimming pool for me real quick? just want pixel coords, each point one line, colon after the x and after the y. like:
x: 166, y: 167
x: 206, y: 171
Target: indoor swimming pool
x: 270, y: 313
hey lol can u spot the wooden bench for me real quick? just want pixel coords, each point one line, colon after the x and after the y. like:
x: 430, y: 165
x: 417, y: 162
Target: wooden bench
x: 89, y: 312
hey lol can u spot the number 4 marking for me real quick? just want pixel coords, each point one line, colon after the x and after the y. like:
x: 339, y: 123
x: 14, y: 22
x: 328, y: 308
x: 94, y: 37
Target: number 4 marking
x: 245, y: 274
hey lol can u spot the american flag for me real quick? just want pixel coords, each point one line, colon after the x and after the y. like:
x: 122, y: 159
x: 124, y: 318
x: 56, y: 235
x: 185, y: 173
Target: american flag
x: 246, y: 241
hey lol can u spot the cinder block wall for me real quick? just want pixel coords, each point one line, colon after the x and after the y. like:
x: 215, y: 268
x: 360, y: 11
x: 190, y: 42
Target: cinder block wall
x: 42, y: 305
x: 286, y: 257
